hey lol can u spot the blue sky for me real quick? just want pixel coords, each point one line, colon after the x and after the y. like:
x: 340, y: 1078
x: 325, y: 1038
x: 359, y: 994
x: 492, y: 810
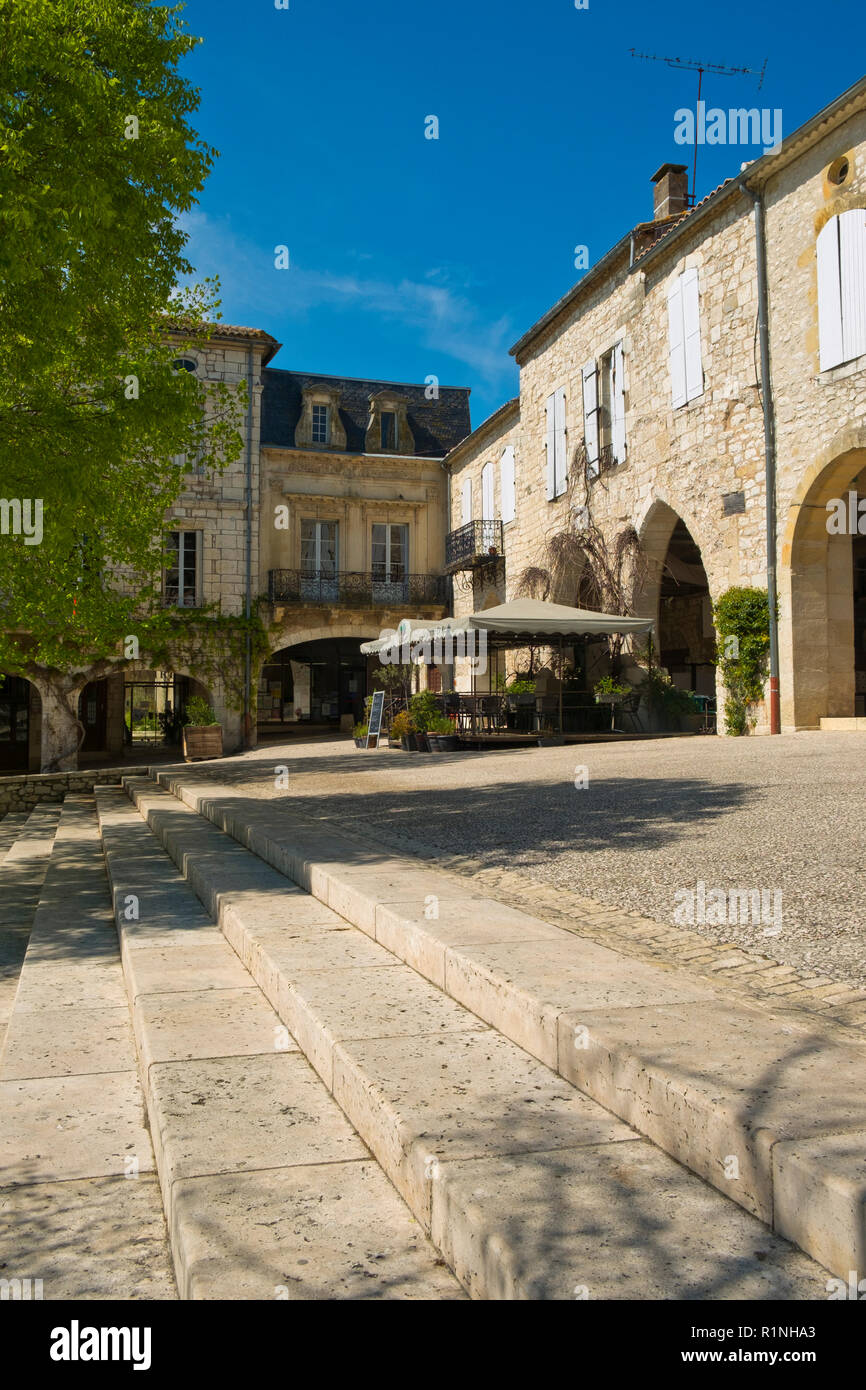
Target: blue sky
x: 411, y: 257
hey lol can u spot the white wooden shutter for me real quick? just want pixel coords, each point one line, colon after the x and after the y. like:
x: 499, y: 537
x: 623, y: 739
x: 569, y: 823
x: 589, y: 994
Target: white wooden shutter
x: 692, y: 334
x: 590, y: 416
x: 676, y: 344
x: 617, y: 403
x: 551, y: 447
x: 852, y: 277
x: 829, y: 296
x: 561, y: 464
x: 487, y: 512
x: 506, y: 484
x: 466, y: 502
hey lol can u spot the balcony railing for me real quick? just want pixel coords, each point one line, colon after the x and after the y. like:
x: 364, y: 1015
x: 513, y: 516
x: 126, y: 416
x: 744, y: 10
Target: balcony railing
x: 476, y: 543
x: 356, y: 590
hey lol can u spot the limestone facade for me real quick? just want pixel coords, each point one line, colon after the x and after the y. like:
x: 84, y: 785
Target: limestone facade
x: 700, y: 462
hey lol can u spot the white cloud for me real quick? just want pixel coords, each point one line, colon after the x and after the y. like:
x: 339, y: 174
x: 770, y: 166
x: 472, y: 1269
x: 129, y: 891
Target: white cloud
x: 441, y: 318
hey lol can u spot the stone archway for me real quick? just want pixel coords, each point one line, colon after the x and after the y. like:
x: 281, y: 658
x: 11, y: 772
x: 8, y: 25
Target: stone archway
x: 674, y: 590
x: 314, y: 678
x: 824, y: 599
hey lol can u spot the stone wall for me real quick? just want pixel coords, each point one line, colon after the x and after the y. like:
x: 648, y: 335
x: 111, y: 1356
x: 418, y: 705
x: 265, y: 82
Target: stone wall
x: 24, y: 792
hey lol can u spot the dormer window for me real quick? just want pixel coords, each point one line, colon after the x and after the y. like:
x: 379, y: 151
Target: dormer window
x: 388, y: 420
x: 321, y: 424
x: 388, y: 428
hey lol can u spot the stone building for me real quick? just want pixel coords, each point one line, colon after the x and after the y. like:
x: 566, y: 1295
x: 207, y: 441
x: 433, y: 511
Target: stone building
x: 344, y: 534
x: 641, y: 401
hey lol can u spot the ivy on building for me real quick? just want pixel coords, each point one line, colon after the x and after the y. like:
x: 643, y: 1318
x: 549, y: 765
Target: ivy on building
x: 742, y: 619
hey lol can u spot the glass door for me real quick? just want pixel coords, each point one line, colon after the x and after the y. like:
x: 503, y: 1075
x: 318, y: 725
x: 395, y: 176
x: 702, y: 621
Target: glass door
x: 319, y: 576
x: 390, y: 563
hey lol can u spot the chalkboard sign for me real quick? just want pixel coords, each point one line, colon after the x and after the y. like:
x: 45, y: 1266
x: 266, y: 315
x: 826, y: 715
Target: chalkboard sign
x: 374, y: 728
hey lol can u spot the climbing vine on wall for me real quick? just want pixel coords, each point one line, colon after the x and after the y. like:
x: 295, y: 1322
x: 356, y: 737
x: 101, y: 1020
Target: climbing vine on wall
x: 742, y: 619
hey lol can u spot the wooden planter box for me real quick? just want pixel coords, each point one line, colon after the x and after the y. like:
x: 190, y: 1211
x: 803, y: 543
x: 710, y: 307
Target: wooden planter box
x: 202, y: 741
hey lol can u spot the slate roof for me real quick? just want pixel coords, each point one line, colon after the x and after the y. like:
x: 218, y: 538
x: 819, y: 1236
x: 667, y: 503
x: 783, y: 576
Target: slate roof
x: 436, y: 425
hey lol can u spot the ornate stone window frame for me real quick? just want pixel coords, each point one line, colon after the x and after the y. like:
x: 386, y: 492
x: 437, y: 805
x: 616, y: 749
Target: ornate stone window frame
x: 329, y: 396
x: 384, y: 402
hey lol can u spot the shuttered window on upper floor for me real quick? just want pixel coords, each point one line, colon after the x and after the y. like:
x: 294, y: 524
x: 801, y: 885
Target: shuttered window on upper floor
x: 506, y: 484
x: 466, y: 502
x: 556, y: 443
x: 487, y: 507
x: 841, y: 252
x: 684, y: 338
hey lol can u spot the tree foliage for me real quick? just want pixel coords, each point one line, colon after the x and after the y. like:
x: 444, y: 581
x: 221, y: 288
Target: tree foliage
x: 97, y: 162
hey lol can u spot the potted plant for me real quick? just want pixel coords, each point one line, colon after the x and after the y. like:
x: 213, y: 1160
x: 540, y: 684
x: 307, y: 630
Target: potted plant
x: 360, y: 733
x: 610, y: 691
x: 424, y: 708
x: 520, y: 691
x: 442, y: 736
x: 202, y: 734
x: 403, y: 728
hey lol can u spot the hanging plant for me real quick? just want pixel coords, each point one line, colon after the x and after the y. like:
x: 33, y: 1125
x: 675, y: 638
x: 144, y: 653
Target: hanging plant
x: 742, y: 619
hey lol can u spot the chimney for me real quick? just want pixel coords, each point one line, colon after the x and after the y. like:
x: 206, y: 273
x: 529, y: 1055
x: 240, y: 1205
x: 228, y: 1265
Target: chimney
x: 671, y: 192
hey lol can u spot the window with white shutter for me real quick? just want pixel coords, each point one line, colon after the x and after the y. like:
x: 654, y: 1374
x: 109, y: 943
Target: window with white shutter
x: 557, y: 445
x: 561, y: 465
x: 692, y: 334
x: 684, y: 333
x: 841, y: 251
x: 550, y: 448
x: 617, y: 404
x: 466, y: 502
x: 506, y: 484
x: 487, y: 511
x: 590, y: 417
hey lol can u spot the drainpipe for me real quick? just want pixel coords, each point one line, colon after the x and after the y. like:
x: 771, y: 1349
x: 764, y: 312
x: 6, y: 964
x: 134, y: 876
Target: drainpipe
x: 769, y: 447
x: 248, y: 596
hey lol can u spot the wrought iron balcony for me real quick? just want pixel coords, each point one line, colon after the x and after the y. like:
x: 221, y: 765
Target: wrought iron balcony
x: 356, y: 590
x: 476, y: 543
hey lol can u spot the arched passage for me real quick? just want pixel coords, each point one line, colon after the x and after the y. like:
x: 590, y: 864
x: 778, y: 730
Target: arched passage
x: 20, y: 709
x: 673, y: 590
x: 315, y: 682
x: 827, y: 608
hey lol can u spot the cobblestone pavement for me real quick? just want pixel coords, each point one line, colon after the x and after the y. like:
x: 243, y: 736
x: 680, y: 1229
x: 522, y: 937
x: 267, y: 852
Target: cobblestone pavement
x: 654, y: 819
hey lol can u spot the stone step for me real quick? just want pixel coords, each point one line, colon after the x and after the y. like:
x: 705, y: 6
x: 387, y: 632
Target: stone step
x: 528, y: 1188
x: 78, y: 1195
x: 24, y: 854
x: 771, y: 1112
x: 11, y: 826
x: 269, y: 1192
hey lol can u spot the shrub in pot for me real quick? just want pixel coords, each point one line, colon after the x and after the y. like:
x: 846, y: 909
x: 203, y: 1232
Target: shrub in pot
x: 403, y: 728
x: 520, y: 691
x: 359, y: 733
x: 202, y: 734
x: 441, y: 736
x: 609, y: 691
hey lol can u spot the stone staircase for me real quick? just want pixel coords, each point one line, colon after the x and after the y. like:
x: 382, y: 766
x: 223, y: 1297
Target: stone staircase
x: 363, y: 1080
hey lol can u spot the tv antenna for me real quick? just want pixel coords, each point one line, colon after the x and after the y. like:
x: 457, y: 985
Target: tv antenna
x: 696, y: 65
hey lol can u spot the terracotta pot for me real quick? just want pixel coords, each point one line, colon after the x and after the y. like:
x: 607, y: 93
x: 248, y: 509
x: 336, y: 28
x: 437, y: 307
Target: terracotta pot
x: 202, y: 741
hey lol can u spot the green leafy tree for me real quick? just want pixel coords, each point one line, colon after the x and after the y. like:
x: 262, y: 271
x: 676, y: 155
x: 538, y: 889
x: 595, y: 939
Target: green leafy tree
x: 97, y: 163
